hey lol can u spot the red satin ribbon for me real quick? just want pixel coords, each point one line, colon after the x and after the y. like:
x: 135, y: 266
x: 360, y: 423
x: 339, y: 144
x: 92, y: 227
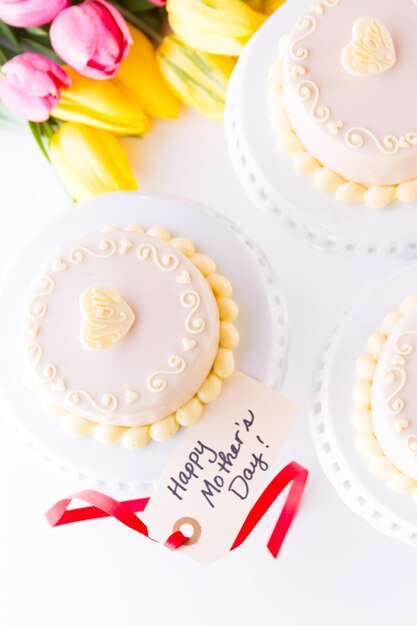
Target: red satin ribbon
x: 292, y: 473
x: 102, y: 505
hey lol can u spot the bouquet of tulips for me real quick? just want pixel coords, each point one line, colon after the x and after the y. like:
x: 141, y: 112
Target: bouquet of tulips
x: 84, y: 73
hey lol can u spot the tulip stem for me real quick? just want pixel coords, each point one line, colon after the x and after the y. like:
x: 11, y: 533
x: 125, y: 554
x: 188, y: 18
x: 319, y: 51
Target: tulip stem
x: 141, y: 24
x: 48, y: 129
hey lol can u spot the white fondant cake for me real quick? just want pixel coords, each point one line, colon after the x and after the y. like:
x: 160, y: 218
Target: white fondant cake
x: 394, y: 414
x: 384, y: 398
x: 343, y: 95
x: 122, y: 330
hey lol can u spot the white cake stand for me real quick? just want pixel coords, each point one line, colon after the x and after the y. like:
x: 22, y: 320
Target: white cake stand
x: 270, y: 180
x: 263, y: 325
x: 391, y: 513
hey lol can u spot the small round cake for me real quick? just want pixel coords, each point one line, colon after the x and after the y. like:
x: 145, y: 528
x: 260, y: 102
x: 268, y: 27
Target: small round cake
x: 384, y: 398
x: 343, y: 98
x: 127, y: 334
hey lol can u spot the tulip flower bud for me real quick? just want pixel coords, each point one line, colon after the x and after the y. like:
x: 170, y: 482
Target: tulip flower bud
x: 217, y: 27
x: 90, y: 161
x: 30, y: 13
x: 100, y: 104
x: 271, y: 6
x: 30, y: 85
x: 141, y: 79
x: 197, y: 79
x: 92, y: 37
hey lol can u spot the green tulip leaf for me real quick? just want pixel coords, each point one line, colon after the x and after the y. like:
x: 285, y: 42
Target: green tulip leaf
x: 42, y: 48
x: 37, y: 32
x: 7, y: 33
x: 3, y: 56
x: 37, y: 132
x: 137, y: 6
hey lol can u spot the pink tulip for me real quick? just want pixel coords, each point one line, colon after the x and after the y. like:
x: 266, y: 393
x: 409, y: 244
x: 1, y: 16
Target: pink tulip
x: 29, y: 13
x: 92, y: 37
x: 30, y: 85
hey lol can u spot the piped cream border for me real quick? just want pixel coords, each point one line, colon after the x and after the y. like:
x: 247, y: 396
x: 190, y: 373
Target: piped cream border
x: 325, y: 179
x: 361, y: 418
x: 223, y: 364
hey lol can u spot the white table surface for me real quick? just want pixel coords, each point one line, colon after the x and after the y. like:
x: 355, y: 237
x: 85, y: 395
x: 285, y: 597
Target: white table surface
x: 333, y: 570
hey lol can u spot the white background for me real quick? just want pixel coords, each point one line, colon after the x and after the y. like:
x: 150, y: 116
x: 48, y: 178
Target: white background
x: 333, y: 570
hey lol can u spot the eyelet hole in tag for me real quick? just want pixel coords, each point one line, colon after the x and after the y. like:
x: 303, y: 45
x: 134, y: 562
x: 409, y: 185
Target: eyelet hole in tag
x: 190, y: 528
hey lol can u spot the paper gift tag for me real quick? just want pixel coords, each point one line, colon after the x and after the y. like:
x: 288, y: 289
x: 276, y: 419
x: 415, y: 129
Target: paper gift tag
x: 220, y: 467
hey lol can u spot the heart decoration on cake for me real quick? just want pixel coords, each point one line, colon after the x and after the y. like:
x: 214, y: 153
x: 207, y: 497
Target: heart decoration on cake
x: 107, y: 318
x: 371, y: 50
x: 125, y: 246
x: 184, y: 278
x: 34, y: 329
x: 335, y: 127
x: 188, y: 344
x: 401, y: 424
x: 131, y: 396
x: 59, y: 385
x: 59, y: 265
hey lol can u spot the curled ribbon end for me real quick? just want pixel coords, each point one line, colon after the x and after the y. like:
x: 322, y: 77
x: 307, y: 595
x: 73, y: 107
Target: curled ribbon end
x: 292, y: 473
x: 176, y: 540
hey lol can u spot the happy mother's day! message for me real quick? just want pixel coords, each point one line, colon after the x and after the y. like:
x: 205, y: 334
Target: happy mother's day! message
x: 213, y: 471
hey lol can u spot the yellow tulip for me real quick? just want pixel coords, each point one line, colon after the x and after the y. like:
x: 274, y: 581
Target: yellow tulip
x: 197, y: 79
x: 90, y: 161
x: 140, y: 78
x: 272, y: 5
x: 214, y: 26
x: 256, y: 5
x: 101, y: 104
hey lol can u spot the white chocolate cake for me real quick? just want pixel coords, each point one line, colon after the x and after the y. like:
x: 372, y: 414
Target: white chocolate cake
x: 343, y: 102
x: 385, y: 400
x: 127, y: 334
